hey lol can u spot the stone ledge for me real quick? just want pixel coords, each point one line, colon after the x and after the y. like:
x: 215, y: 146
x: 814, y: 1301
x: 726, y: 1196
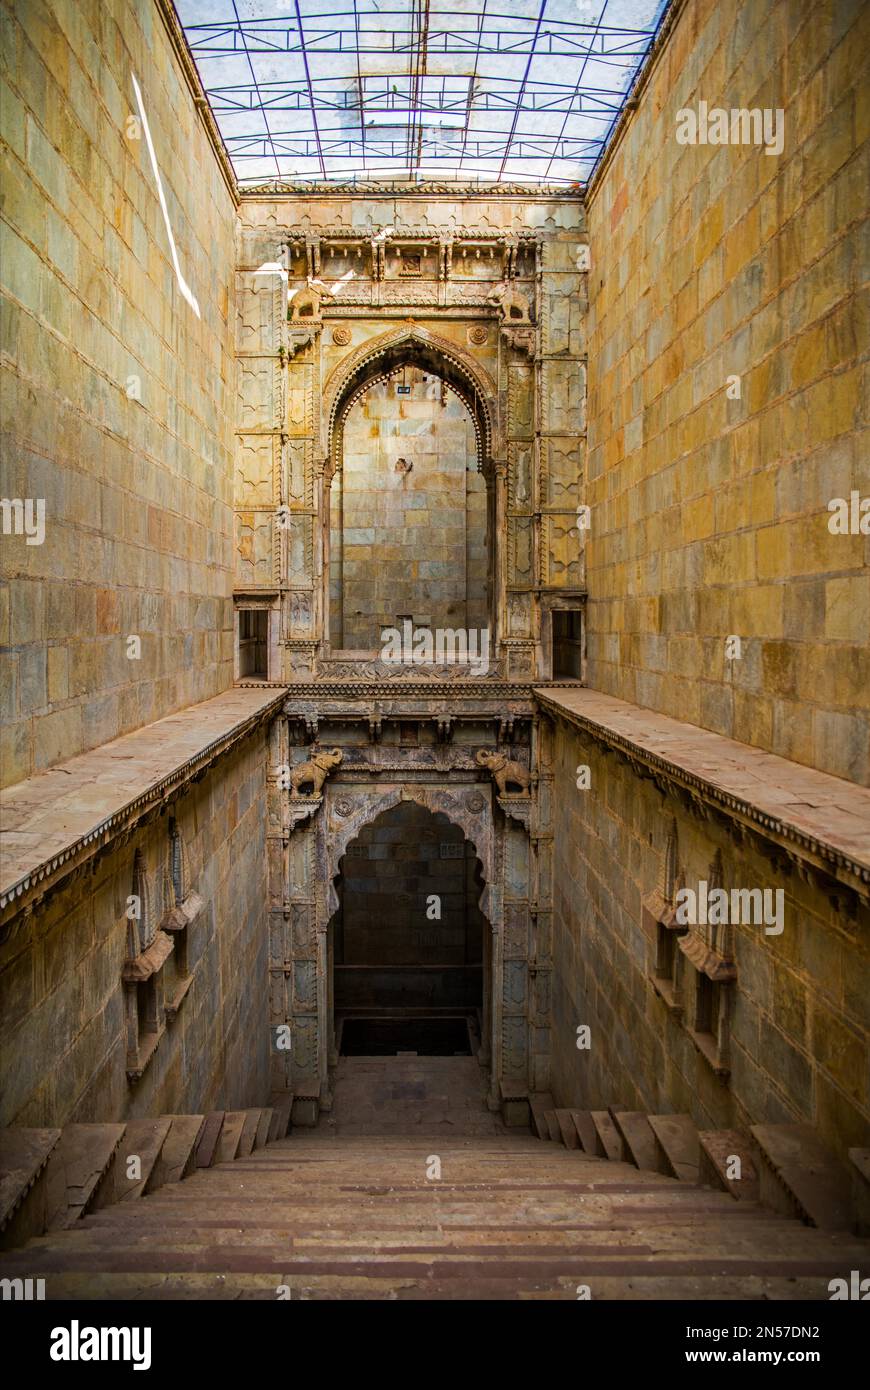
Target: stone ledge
x: 815, y: 817
x: 52, y: 822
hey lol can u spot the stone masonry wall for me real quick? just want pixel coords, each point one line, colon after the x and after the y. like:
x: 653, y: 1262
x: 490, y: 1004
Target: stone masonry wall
x: 709, y: 513
x: 62, y: 1035
x: 800, y: 1018
x: 116, y: 397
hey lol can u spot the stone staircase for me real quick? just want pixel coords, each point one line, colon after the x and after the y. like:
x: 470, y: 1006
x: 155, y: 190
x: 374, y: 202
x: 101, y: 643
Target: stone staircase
x: 51, y: 1178
x: 233, y: 1208
x: 781, y: 1166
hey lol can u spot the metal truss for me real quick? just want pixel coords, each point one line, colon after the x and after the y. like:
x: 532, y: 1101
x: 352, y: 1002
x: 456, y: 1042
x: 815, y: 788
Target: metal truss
x: 436, y: 88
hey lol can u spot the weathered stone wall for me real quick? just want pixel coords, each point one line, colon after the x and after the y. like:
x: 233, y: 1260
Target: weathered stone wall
x: 62, y: 1023
x: 116, y: 397
x: 798, y: 1046
x: 709, y: 513
x: 407, y: 542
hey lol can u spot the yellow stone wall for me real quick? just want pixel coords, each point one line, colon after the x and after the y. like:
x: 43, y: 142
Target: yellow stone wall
x: 137, y: 493
x: 709, y: 514
x: 63, y: 1036
x: 799, y: 1009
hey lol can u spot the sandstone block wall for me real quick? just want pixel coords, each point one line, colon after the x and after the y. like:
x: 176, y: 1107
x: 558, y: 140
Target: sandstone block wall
x: 798, y: 1035
x: 116, y: 398
x: 709, y: 513
x: 62, y: 1023
x: 411, y: 542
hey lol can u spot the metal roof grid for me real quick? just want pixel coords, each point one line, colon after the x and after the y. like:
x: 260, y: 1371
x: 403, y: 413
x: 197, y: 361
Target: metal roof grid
x: 474, y: 91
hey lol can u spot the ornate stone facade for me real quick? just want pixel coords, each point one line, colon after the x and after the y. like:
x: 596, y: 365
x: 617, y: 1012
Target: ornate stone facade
x: 486, y: 296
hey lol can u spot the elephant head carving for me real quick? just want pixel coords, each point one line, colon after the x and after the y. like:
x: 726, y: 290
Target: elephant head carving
x: 505, y: 773
x: 307, y: 779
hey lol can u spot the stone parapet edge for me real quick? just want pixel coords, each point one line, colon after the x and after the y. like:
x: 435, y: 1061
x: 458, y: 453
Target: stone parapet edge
x: 795, y: 842
x: 49, y: 875
x: 668, y: 24
x: 186, y: 62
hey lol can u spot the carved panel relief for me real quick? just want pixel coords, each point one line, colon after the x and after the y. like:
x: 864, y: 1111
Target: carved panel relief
x: 255, y: 480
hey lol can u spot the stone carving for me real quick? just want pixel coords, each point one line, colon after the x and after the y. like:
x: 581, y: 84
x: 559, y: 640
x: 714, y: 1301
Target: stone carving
x: 313, y: 774
x: 383, y: 187
x: 505, y: 772
x: 478, y: 335
x: 341, y: 336
x: 300, y: 808
x: 518, y: 808
x: 521, y: 339
x: 513, y: 303
x: 377, y: 670
x: 297, y: 340
x: 305, y: 301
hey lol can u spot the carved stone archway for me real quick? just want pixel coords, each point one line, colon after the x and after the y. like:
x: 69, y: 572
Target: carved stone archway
x: 346, y: 811
x: 467, y: 807
x: 376, y: 360
x: 411, y: 346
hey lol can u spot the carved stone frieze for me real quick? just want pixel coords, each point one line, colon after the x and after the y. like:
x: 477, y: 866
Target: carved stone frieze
x: 519, y: 808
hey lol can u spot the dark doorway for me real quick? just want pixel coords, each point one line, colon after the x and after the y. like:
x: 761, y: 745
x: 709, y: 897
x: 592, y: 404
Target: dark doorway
x: 408, y: 940
x: 387, y: 1037
x: 567, y: 644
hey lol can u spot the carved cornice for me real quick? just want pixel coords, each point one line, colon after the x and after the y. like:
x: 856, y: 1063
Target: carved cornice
x: 565, y: 193
x: 301, y: 807
x: 798, y: 846
x: 361, y: 689
x: 518, y: 808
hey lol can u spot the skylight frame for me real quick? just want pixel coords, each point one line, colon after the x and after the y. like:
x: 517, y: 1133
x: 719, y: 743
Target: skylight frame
x: 289, y: 83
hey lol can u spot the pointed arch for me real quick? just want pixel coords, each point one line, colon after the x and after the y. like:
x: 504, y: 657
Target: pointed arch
x: 410, y: 346
x: 470, y: 812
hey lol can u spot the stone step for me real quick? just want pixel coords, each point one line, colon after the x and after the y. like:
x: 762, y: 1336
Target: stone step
x: 230, y: 1135
x: 648, y: 1239
x: 718, y: 1148
x: 677, y: 1149
x: 429, y: 1287
x: 512, y: 1225
x: 146, y: 1253
x: 248, y: 1136
x: 608, y: 1140
x: 539, y: 1103
x: 261, y: 1138
x: 859, y: 1168
x: 570, y: 1137
x: 357, y: 1218
x: 207, y: 1144
x: 586, y: 1132
x: 798, y: 1173
x: 84, y: 1155
x: 25, y: 1207
x: 584, y: 1265
x: 142, y: 1141
x: 177, y: 1158
x: 638, y: 1140
x: 553, y: 1129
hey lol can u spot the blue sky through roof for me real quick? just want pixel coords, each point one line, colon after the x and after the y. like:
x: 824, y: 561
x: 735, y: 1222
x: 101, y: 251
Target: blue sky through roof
x: 510, y: 91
